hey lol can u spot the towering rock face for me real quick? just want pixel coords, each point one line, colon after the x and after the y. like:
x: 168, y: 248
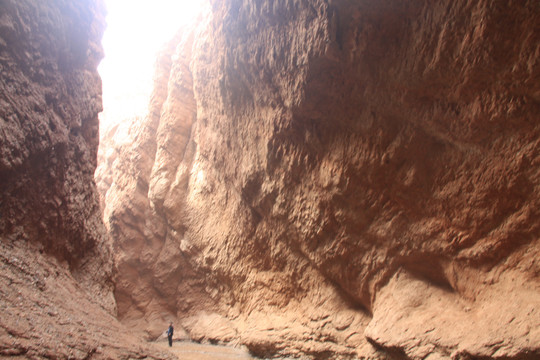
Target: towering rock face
x: 50, y: 97
x: 338, y: 178
x: 56, y: 297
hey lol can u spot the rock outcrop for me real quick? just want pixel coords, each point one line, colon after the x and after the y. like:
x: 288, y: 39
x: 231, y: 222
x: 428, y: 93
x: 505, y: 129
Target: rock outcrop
x: 337, y: 179
x: 56, y: 299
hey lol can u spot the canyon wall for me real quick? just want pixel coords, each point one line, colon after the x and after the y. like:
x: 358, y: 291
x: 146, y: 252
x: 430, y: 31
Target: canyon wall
x: 337, y: 179
x: 56, y: 299
x: 51, y: 95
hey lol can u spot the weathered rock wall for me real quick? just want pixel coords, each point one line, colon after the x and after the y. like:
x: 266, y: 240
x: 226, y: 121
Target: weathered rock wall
x: 51, y: 95
x: 56, y: 299
x: 343, y: 178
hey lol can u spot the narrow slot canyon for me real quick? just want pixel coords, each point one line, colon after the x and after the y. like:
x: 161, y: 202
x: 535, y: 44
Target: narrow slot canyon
x: 300, y: 179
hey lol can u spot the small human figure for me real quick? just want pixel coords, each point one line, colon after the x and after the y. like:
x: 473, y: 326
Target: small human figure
x: 170, y: 332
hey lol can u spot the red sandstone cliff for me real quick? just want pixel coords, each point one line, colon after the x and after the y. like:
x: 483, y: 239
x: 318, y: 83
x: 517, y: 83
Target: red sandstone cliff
x: 56, y: 298
x: 338, y: 178
x: 51, y: 94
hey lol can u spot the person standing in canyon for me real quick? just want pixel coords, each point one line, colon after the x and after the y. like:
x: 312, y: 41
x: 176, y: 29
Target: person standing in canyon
x: 170, y: 332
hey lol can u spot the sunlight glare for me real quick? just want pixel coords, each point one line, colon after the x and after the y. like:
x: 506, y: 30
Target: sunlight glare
x: 136, y: 31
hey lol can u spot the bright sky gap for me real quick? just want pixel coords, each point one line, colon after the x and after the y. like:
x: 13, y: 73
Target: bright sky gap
x: 136, y: 31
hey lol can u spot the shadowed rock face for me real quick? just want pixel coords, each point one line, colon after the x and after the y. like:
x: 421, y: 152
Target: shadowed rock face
x: 343, y: 178
x: 50, y: 97
x: 56, y: 299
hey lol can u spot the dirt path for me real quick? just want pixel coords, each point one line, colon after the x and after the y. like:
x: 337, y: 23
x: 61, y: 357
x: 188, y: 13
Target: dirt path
x: 192, y: 351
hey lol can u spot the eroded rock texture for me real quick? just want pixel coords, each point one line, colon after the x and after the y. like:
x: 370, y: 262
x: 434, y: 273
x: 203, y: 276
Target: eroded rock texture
x: 56, y: 299
x: 50, y: 98
x: 338, y: 179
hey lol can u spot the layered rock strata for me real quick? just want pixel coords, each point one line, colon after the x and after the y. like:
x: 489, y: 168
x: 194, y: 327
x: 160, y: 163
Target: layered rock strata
x: 337, y: 179
x: 56, y: 298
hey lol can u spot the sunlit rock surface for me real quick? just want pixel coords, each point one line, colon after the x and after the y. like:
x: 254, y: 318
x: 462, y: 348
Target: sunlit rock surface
x: 337, y: 179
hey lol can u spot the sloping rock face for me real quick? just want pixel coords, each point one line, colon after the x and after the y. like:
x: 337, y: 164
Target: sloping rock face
x: 337, y: 179
x: 48, y: 313
x: 56, y: 299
